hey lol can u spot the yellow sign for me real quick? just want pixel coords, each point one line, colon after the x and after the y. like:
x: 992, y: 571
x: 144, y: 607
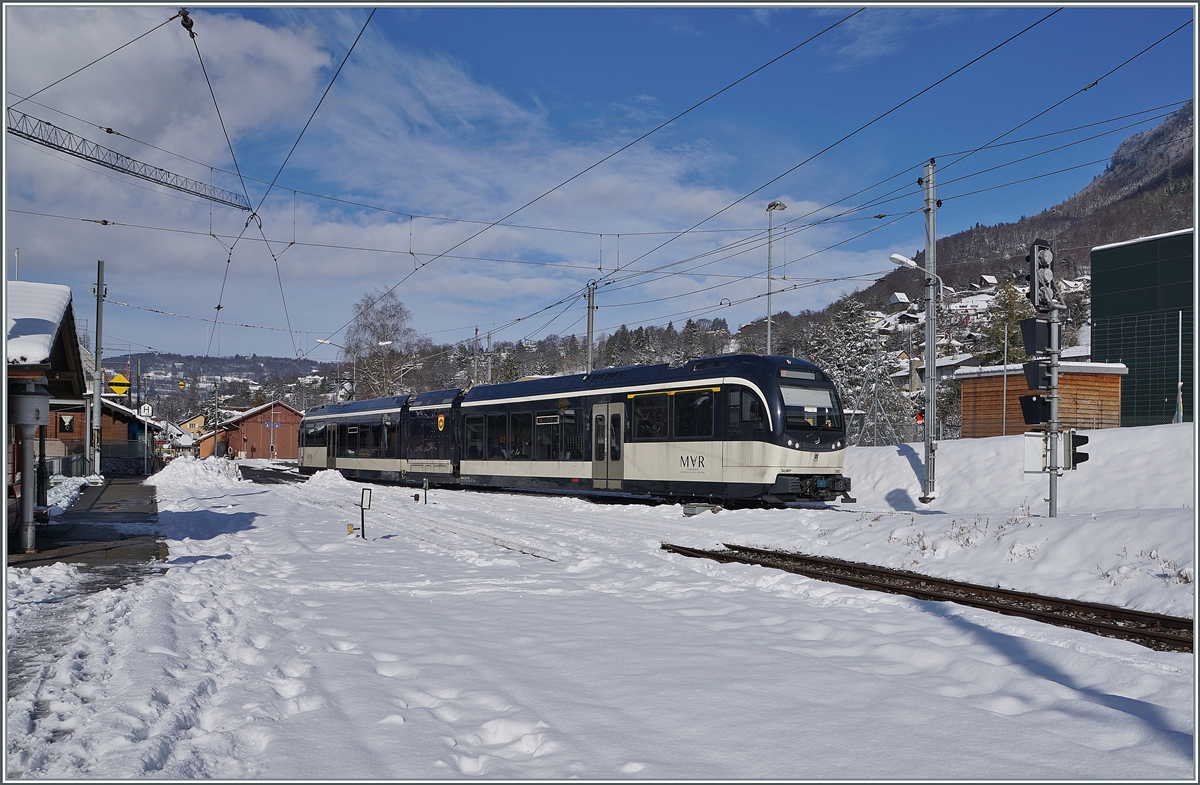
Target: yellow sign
x: 182, y: 385
x: 441, y: 422
x: 119, y: 384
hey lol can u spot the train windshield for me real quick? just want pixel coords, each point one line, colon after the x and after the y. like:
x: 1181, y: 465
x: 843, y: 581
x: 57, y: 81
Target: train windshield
x: 810, y: 408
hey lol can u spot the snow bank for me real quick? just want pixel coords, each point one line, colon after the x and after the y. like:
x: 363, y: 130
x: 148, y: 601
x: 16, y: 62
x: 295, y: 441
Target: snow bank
x: 197, y: 473
x: 1129, y: 468
x: 1125, y: 533
x: 63, y: 491
x: 29, y: 588
x: 329, y: 479
x: 181, y: 480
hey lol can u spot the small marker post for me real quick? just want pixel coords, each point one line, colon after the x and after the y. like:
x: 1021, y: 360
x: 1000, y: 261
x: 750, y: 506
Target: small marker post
x: 363, y: 506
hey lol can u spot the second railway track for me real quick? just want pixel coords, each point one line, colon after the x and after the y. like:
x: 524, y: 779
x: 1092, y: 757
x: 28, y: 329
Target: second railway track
x: 1157, y: 631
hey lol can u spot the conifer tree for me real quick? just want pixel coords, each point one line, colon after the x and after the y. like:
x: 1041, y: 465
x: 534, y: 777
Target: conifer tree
x: 1006, y: 311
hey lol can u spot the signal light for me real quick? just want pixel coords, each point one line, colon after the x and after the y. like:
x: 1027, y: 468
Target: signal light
x: 1042, y: 291
x: 1035, y: 409
x: 1037, y: 375
x: 1072, y: 457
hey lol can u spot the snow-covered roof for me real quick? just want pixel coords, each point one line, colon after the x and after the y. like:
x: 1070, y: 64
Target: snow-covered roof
x: 256, y: 410
x: 150, y: 421
x: 998, y: 370
x: 35, y: 312
x: 974, y: 302
x: 1140, y: 240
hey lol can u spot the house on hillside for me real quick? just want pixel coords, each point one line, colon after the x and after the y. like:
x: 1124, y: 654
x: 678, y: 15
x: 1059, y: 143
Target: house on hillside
x: 193, y: 426
x: 271, y: 430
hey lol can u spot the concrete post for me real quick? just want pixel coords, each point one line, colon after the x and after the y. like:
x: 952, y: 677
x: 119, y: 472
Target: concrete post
x: 31, y: 409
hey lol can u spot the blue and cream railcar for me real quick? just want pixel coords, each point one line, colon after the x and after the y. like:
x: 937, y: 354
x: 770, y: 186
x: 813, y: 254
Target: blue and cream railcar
x: 727, y: 429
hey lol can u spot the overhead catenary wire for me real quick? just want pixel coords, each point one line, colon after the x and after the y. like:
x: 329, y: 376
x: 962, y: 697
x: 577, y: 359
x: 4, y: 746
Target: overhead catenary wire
x: 107, y: 222
x: 98, y: 59
x: 853, y: 133
x: 1080, y: 91
x: 574, y: 296
x: 890, y: 196
x: 410, y: 214
x: 951, y: 197
x: 994, y: 141
x: 613, y: 154
x: 254, y: 215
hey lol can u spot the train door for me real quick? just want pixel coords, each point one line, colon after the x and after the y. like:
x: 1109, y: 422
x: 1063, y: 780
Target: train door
x: 331, y: 445
x: 608, y: 445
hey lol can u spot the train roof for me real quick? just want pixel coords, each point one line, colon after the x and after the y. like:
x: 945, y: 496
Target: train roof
x: 436, y: 397
x: 350, y: 407
x: 639, y: 374
x: 730, y: 364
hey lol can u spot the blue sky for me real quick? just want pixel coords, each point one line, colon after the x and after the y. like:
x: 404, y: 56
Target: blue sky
x: 469, y: 113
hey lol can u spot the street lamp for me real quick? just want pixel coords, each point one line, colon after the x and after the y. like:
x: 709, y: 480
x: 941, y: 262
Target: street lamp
x: 353, y: 359
x: 771, y: 208
x: 928, y: 490
x: 387, y: 382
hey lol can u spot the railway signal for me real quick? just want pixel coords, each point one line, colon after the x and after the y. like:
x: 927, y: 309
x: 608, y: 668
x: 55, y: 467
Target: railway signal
x: 1043, y: 291
x: 1035, y: 409
x: 1072, y: 457
x: 1037, y: 375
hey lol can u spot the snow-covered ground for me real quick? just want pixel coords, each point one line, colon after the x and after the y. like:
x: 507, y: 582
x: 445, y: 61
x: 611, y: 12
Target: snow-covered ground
x: 546, y: 637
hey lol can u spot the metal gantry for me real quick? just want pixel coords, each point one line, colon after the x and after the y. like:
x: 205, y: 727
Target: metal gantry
x: 50, y: 135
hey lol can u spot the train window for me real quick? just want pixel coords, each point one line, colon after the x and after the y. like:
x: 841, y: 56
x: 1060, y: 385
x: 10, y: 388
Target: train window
x: 807, y: 407
x: 744, y: 408
x: 474, y: 445
x: 348, y: 438
x: 497, y: 437
x: 599, y: 449
x: 650, y: 416
x: 614, y: 437
x: 573, y: 438
x: 549, y: 431
x: 393, y: 440
x: 693, y: 414
x: 521, y: 430
x: 314, y: 435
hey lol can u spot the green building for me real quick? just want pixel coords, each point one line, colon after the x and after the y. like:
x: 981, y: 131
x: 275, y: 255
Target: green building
x: 1142, y: 315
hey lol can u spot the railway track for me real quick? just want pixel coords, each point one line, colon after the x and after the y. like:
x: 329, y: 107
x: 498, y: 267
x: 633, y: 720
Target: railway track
x: 1156, y: 631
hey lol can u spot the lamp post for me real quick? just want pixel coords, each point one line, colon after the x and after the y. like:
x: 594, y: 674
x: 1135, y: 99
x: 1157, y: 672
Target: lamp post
x: 353, y: 359
x: 771, y: 208
x: 354, y: 368
x: 931, y: 295
x: 387, y: 382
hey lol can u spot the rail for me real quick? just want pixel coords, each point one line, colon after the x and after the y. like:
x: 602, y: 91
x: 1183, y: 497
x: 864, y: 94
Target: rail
x: 1156, y: 631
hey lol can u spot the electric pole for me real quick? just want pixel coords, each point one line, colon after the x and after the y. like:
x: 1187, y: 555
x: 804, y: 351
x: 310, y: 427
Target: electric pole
x: 97, y: 422
x: 591, y: 308
x: 929, y: 489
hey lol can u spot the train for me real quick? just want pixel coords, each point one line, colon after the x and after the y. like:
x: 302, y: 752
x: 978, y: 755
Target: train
x: 730, y: 431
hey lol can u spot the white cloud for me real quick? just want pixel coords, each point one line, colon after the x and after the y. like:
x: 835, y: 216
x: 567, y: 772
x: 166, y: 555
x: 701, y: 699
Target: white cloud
x: 407, y: 130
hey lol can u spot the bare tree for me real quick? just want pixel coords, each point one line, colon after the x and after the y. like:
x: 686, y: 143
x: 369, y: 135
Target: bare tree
x: 381, y: 345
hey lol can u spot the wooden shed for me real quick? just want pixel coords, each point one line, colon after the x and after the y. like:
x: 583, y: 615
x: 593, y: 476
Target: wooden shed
x: 268, y: 431
x: 1090, y: 398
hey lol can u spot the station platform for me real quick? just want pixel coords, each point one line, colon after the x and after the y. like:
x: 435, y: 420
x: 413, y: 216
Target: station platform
x: 96, y: 530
